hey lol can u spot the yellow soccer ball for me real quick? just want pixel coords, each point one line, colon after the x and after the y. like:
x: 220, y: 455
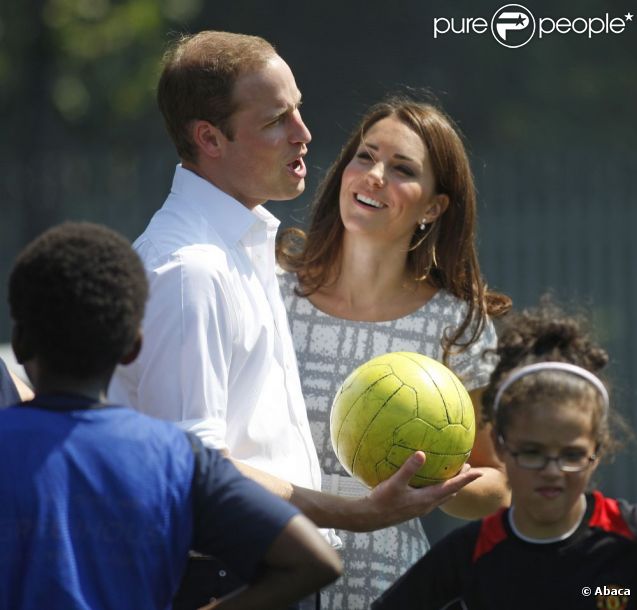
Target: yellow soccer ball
x: 396, y: 404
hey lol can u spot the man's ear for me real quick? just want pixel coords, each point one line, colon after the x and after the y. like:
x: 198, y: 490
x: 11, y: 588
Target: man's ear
x: 436, y: 208
x: 133, y: 352
x: 208, y: 139
x: 21, y: 343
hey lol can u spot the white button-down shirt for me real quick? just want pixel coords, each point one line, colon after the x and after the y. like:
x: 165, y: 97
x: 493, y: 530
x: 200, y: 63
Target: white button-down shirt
x: 217, y: 356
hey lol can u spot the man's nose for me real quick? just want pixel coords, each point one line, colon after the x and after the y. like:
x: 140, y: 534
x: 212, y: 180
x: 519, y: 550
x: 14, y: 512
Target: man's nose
x: 300, y: 131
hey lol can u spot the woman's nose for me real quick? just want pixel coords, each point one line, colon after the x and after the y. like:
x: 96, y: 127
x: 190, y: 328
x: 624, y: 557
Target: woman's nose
x: 376, y: 175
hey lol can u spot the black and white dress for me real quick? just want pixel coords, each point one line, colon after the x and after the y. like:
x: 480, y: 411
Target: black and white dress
x: 327, y: 350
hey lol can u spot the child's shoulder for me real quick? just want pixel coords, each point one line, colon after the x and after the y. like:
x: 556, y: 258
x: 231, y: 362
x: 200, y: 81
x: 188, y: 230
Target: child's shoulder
x: 440, y: 577
x: 466, y: 544
x: 615, y: 516
x: 489, y: 533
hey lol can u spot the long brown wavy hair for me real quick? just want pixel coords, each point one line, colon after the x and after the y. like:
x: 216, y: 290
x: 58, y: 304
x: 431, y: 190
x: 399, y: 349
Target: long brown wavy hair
x: 445, y: 255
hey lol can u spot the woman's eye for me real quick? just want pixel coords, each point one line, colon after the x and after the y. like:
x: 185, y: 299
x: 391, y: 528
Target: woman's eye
x: 403, y: 169
x: 364, y: 155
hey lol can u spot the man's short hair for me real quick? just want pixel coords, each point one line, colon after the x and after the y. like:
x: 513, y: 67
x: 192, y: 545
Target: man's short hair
x: 78, y: 291
x: 198, y: 78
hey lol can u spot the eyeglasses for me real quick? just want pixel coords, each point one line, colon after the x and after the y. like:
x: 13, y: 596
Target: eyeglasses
x: 575, y: 461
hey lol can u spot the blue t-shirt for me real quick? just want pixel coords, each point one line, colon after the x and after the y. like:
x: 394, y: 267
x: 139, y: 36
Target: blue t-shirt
x: 8, y: 392
x: 99, y: 507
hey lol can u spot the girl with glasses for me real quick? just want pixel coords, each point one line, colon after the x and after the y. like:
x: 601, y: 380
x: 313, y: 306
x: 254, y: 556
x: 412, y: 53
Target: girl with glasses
x: 558, y: 545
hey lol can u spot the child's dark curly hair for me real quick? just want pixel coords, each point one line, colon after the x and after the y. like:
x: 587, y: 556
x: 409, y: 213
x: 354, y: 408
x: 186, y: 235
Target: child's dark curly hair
x: 78, y: 292
x: 547, y: 333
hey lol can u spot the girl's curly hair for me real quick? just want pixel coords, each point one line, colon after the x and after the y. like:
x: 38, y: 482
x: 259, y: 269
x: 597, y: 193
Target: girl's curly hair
x: 548, y: 333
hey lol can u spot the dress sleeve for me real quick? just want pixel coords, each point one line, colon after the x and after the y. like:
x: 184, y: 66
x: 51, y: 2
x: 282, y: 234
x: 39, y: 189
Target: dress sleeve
x: 474, y: 365
x: 235, y: 519
x: 183, y: 368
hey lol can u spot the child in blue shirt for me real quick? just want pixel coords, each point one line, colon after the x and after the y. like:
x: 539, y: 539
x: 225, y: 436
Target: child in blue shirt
x: 101, y: 504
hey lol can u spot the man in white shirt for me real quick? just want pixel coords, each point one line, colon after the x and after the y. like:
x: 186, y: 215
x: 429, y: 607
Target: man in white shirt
x: 218, y: 356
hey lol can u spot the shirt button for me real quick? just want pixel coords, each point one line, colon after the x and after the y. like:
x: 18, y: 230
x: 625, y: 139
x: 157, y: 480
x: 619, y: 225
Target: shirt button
x: 222, y: 573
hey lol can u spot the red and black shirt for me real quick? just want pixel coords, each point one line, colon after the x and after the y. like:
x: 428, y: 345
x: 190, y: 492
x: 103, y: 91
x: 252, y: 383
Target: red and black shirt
x: 485, y: 566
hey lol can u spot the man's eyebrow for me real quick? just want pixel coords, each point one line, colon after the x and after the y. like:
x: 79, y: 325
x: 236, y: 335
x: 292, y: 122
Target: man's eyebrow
x: 294, y: 105
x: 285, y: 108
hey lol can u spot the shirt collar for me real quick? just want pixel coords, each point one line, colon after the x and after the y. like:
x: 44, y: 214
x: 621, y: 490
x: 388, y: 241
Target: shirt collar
x: 226, y: 215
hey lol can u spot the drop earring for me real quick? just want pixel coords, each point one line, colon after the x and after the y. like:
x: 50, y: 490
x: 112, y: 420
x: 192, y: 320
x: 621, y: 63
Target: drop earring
x: 423, y: 225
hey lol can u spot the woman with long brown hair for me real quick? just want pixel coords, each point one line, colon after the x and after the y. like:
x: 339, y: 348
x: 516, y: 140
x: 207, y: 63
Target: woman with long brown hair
x: 388, y: 264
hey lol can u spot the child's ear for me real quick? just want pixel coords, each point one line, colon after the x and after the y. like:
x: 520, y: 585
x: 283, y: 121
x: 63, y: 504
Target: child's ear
x: 599, y: 452
x: 21, y: 343
x: 496, y: 439
x: 133, y: 352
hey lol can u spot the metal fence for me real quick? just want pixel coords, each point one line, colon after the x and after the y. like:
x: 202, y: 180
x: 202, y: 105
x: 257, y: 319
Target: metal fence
x: 549, y: 221
x: 564, y: 223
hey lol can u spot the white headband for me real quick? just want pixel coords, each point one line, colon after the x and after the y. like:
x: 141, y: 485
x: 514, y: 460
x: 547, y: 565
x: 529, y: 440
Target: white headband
x: 537, y: 367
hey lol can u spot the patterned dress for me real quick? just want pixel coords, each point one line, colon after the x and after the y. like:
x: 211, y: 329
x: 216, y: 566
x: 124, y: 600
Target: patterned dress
x: 328, y: 349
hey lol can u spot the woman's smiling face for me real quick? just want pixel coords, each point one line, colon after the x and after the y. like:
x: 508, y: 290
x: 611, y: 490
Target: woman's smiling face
x: 388, y: 187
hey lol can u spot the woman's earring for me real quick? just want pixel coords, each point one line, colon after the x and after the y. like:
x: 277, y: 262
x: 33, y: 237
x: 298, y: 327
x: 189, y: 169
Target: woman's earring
x: 423, y: 225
